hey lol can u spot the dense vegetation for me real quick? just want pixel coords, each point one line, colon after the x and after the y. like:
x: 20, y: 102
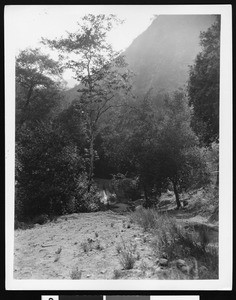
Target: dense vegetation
x: 149, y: 143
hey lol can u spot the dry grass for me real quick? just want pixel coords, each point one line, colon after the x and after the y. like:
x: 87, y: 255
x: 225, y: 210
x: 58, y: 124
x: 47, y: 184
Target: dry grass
x: 127, y: 255
x: 86, y: 246
x: 176, y: 242
x: 76, y: 273
x: 117, y: 274
x: 146, y: 218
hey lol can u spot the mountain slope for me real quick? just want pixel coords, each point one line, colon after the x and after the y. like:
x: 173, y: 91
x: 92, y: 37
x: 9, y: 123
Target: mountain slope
x: 160, y: 56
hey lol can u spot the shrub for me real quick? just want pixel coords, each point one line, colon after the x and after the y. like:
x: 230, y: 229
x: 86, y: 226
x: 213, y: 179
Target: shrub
x: 86, y: 201
x: 41, y: 219
x: 175, y: 242
x: 22, y: 225
x: 47, y: 169
x: 127, y: 256
x: 126, y: 188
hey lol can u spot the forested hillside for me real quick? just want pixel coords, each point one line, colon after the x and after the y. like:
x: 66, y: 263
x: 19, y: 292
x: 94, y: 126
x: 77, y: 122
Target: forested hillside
x: 139, y: 125
x: 161, y: 55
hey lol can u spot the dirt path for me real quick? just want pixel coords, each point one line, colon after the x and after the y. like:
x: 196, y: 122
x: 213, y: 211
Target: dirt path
x: 53, y: 250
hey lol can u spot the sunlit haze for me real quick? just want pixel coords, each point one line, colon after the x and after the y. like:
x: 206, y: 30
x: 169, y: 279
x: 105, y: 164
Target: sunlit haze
x: 30, y: 23
x: 26, y: 24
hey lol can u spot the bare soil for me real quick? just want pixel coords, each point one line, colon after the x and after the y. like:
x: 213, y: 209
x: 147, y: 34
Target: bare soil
x: 35, y: 249
x: 90, y: 242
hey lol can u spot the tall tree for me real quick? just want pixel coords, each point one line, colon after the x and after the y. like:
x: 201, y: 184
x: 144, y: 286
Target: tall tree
x: 158, y: 145
x: 38, y: 85
x: 203, y: 86
x: 48, y: 163
x: 100, y: 71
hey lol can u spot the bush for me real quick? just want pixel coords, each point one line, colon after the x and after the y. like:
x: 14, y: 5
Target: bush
x: 126, y: 188
x: 48, y: 169
x: 86, y: 201
x: 176, y: 242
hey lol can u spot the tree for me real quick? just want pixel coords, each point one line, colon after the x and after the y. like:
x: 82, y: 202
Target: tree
x: 156, y: 141
x: 48, y: 162
x: 100, y: 71
x: 203, y: 86
x: 181, y: 161
x: 38, y: 85
x: 50, y: 167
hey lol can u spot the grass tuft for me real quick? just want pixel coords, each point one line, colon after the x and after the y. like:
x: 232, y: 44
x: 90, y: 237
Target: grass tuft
x: 117, y: 274
x: 146, y: 218
x: 86, y: 246
x: 76, y: 273
x: 177, y: 242
x: 127, y: 255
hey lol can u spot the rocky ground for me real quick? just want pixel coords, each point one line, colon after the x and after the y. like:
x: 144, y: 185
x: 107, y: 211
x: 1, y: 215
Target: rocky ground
x: 89, y: 246
x: 88, y: 241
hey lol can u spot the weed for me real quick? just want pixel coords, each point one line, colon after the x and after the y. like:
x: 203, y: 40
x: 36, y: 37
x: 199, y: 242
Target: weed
x: 76, y: 273
x: 98, y: 246
x: 86, y: 246
x: 178, y: 242
x: 143, y: 266
x: 138, y: 256
x: 118, y: 248
x: 127, y: 260
x: 146, y: 218
x: 127, y: 256
x: 204, y: 236
x: 175, y: 241
x: 112, y: 224
x: 117, y: 274
x: 96, y: 234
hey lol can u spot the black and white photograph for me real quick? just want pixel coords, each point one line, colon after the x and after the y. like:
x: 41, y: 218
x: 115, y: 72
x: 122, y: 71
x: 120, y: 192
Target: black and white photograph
x: 118, y: 147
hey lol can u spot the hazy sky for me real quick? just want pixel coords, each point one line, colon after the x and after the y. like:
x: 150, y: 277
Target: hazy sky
x: 26, y: 24
x: 32, y: 22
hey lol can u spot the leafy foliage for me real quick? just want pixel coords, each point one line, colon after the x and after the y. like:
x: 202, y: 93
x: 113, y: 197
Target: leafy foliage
x: 105, y: 128
x: 126, y: 188
x: 38, y: 85
x: 49, y: 168
x: 203, y: 86
x: 99, y: 70
x: 157, y: 145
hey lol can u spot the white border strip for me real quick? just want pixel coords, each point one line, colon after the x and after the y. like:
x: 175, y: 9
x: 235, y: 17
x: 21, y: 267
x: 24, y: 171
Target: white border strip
x: 225, y: 214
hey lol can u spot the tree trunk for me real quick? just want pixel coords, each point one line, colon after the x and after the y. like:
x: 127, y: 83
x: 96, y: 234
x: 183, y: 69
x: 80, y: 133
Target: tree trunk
x: 146, y: 196
x: 91, y: 166
x: 217, y: 179
x: 176, y: 195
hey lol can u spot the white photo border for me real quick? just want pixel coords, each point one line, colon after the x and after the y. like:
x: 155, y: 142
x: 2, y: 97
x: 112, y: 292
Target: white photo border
x: 225, y: 177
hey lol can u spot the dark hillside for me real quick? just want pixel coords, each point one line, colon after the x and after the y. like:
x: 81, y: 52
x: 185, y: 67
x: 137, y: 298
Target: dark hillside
x: 160, y: 56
